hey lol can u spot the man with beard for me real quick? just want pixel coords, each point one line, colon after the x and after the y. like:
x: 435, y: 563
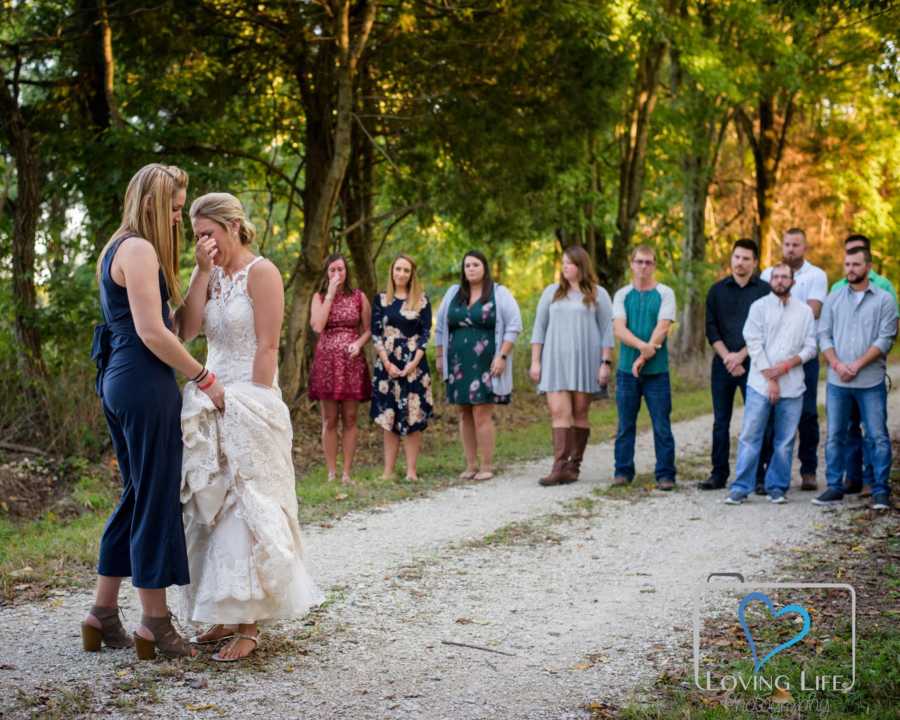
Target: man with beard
x: 780, y: 337
x: 859, y: 469
x: 810, y: 287
x: 727, y: 305
x: 858, y: 328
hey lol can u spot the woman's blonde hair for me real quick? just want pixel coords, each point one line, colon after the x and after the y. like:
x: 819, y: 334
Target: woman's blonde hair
x: 147, y: 213
x: 224, y: 209
x: 414, y: 291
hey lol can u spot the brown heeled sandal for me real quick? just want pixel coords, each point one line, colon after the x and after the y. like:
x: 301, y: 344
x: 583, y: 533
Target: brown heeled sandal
x: 110, y: 633
x: 167, y: 643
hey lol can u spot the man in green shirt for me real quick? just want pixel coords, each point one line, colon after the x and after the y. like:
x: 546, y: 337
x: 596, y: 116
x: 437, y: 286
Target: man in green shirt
x: 858, y: 471
x: 643, y: 311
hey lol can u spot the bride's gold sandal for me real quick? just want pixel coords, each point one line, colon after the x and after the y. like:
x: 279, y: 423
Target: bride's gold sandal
x: 167, y: 641
x: 212, y: 641
x: 238, y: 636
x: 110, y: 633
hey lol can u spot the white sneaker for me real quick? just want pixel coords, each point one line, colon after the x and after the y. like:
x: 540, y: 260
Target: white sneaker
x: 733, y: 500
x: 777, y: 500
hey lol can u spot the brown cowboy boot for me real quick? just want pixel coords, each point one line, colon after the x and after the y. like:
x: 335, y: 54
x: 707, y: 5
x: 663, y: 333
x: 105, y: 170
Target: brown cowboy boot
x: 562, y: 448
x: 579, y: 443
x: 544, y: 479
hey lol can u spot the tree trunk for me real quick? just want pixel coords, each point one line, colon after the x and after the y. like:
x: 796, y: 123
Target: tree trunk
x: 328, y: 149
x: 633, y: 155
x: 707, y: 124
x: 359, y: 191
x: 25, y: 151
x: 767, y: 142
x: 99, y: 113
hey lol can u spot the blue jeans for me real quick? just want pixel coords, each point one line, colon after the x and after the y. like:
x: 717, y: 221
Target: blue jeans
x: 657, y: 394
x: 808, y: 428
x: 872, y: 404
x: 786, y: 414
x: 859, y: 469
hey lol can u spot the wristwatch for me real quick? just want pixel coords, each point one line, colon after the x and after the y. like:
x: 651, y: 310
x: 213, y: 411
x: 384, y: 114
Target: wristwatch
x: 503, y: 355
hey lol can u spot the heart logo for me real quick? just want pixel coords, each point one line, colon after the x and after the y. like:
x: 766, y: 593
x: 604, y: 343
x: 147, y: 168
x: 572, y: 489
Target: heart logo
x: 786, y: 610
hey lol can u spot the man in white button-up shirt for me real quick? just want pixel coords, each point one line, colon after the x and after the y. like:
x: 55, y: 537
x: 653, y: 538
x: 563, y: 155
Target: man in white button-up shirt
x: 810, y: 286
x: 780, y: 336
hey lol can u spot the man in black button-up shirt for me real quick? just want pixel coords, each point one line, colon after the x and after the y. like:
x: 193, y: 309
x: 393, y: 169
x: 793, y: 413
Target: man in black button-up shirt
x: 727, y: 305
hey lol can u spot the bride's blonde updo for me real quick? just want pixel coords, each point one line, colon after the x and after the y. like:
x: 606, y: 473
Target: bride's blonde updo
x: 223, y: 209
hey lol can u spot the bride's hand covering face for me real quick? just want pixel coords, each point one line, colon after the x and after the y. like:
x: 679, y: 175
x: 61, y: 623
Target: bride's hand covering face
x: 205, y: 252
x: 210, y: 237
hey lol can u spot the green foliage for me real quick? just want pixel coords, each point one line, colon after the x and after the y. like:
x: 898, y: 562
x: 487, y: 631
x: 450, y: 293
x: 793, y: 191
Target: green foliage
x: 497, y: 124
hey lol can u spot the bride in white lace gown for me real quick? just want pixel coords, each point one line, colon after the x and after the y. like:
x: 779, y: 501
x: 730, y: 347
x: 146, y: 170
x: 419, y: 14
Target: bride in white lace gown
x: 237, y: 492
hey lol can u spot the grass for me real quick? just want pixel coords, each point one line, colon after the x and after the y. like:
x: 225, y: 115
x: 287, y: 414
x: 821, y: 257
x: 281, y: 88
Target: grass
x: 55, y: 550
x: 59, y: 548
x: 57, y: 703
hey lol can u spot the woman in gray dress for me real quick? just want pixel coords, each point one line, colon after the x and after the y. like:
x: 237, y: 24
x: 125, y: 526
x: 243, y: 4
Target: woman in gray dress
x: 571, y: 347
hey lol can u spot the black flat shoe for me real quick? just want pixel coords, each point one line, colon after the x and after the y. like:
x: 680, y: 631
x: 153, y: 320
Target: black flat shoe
x: 712, y: 484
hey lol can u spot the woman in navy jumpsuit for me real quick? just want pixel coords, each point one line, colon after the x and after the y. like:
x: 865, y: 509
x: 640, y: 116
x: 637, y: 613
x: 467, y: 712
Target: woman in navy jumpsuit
x: 137, y: 353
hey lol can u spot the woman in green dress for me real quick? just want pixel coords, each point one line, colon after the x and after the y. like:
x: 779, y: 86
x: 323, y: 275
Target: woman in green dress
x: 477, y: 326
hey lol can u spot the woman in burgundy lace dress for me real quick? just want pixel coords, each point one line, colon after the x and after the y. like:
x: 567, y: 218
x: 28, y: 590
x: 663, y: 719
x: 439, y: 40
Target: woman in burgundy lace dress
x: 340, y: 378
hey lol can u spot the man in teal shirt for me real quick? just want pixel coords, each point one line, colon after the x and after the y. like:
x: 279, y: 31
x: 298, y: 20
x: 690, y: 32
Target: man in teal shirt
x: 643, y: 311
x: 858, y: 471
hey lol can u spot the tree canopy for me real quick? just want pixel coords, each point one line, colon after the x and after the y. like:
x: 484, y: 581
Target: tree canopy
x: 432, y: 126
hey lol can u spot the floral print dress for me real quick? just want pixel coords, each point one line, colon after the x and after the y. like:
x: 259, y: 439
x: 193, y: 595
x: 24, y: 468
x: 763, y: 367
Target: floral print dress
x: 471, y: 351
x: 401, y: 405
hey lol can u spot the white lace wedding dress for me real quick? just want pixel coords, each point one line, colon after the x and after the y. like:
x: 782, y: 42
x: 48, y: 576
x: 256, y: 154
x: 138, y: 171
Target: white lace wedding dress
x: 237, y: 488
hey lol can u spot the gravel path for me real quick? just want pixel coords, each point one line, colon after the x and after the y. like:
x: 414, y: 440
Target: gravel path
x: 589, y: 594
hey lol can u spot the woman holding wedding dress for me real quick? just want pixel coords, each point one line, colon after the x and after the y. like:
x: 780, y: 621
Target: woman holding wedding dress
x: 237, y: 492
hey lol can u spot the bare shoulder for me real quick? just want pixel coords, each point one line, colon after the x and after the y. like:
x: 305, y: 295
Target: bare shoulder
x: 265, y: 277
x: 137, y: 248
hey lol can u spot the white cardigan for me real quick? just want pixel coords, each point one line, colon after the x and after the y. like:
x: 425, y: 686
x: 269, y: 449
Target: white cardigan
x: 508, y: 327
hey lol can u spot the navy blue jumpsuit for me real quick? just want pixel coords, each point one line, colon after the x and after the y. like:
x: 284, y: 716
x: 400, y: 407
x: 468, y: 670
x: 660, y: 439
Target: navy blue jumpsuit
x: 144, y: 536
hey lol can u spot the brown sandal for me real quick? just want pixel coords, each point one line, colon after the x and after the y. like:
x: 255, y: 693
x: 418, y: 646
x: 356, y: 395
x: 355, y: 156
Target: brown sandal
x: 237, y: 637
x: 110, y: 633
x: 167, y: 640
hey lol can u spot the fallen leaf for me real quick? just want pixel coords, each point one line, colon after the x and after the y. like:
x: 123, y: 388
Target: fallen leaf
x: 202, y: 706
x: 26, y: 571
x: 341, y: 496
x: 781, y: 697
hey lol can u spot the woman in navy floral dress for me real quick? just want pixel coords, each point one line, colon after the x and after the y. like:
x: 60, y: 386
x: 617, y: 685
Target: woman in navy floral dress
x: 401, y: 386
